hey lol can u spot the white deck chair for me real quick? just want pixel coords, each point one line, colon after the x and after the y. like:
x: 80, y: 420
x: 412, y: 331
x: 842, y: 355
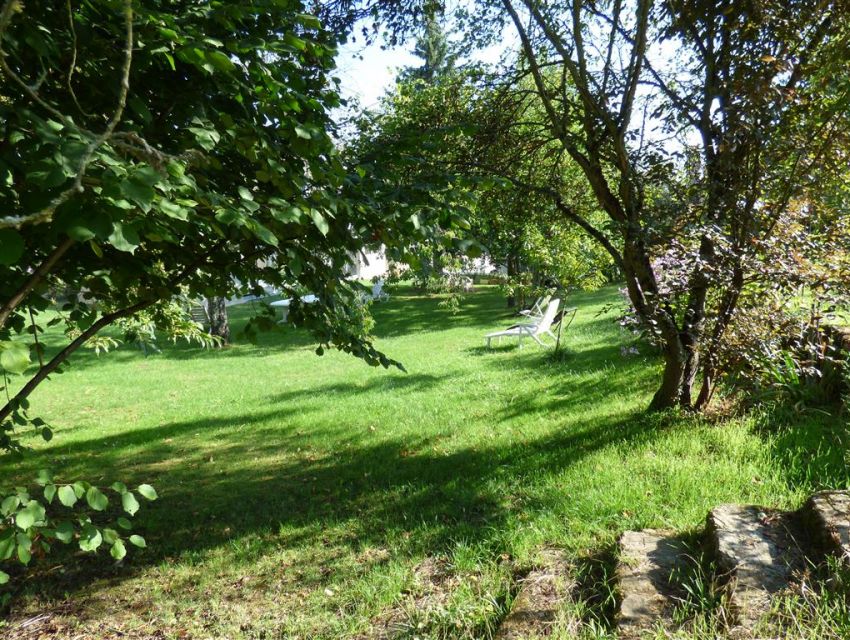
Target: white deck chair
x: 534, y: 330
x: 537, y: 309
x: 378, y: 292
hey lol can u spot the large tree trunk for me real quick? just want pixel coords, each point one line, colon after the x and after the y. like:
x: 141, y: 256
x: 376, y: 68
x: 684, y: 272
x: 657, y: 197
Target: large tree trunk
x: 669, y: 393
x: 219, y: 325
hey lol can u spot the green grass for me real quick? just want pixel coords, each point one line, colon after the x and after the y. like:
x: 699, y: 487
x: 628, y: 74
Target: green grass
x: 299, y: 494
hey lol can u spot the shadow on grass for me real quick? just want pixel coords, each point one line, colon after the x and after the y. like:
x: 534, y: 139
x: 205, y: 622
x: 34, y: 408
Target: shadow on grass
x: 375, y: 492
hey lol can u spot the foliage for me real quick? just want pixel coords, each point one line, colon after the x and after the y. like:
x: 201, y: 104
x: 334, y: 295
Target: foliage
x: 197, y: 165
x: 437, y: 53
x: 458, y: 125
x: 745, y: 122
x: 32, y: 521
x: 153, y: 152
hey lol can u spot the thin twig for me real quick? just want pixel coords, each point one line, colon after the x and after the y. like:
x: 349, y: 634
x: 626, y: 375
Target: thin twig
x: 73, y: 60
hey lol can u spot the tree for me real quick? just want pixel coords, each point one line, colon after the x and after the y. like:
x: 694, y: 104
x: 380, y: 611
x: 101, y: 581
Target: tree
x: 763, y: 89
x: 435, y: 50
x: 152, y: 153
x: 219, y: 324
x: 464, y: 124
x: 197, y: 165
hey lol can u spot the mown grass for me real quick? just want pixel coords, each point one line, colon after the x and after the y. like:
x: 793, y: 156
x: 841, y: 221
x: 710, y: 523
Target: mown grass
x: 299, y: 494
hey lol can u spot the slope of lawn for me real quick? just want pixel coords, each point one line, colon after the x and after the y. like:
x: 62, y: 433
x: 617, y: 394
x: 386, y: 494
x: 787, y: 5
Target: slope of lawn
x: 298, y: 493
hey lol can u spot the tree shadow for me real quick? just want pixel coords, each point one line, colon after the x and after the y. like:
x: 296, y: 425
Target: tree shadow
x: 377, y: 492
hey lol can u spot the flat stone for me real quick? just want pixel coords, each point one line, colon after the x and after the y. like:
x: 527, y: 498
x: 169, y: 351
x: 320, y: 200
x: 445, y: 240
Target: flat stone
x: 827, y: 514
x: 757, y: 552
x: 535, y: 608
x: 648, y: 560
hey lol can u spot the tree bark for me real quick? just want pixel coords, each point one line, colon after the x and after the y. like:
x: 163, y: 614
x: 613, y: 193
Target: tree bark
x: 512, y: 271
x: 219, y: 324
x: 670, y: 391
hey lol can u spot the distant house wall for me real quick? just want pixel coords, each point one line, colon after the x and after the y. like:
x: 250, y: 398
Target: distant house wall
x: 374, y: 264
x: 368, y: 265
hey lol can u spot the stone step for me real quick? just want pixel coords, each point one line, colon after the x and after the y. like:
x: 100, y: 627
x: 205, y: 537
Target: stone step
x: 827, y: 516
x: 646, y: 569
x: 535, y: 608
x: 757, y: 551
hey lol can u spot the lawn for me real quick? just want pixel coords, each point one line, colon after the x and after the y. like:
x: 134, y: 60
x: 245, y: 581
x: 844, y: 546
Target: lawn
x: 301, y: 496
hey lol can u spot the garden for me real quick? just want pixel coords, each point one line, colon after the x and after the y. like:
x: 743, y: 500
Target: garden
x: 547, y: 338
x: 298, y: 496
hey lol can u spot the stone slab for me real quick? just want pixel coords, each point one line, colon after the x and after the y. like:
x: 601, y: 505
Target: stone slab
x: 827, y: 514
x: 757, y: 551
x: 648, y: 559
x: 535, y: 609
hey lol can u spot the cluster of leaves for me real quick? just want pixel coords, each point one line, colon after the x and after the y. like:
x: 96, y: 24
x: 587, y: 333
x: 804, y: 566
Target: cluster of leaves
x: 200, y: 164
x: 762, y: 89
x: 461, y: 124
x: 152, y: 152
x: 33, y: 520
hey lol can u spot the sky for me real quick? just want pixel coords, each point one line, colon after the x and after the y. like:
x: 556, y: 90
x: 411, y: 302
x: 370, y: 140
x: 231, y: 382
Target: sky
x: 367, y: 71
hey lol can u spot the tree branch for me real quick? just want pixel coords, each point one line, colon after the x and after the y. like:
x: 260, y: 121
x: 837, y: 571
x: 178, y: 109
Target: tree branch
x: 35, y: 277
x: 46, y: 214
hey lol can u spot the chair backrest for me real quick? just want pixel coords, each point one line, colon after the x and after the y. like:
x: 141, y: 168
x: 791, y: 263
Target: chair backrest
x: 377, y: 289
x: 548, y: 316
x: 542, y: 303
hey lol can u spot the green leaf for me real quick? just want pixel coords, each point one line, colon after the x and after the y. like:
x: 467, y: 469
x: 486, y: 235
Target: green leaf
x: 173, y: 210
x: 90, y: 538
x: 129, y: 502
x: 110, y: 536
x: 169, y: 34
x: 139, y: 541
x: 11, y: 246
x: 294, y: 41
x: 219, y: 60
x: 43, y: 476
x: 320, y: 222
x: 7, y: 544
x: 29, y: 515
x: 245, y: 193
x: 4, y: 577
x: 65, y: 532
x: 86, y: 226
x: 207, y: 138
x: 24, y: 548
x: 118, y: 487
x: 301, y: 132
x: 311, y: 22
x: 14, y: 356
x: 147, y: 491
x: 67, y: 496
x: 124, y: 523
x: 265, y: 234
x: 49, y: 493
x: 118, y: 550
x: 9, y: 505
x: 124, y: 237
x: 139, y: 192
x: 96, y: 499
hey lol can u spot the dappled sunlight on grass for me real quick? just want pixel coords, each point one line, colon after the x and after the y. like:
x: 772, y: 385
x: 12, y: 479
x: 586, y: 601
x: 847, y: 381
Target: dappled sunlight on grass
x: 297, y: 493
